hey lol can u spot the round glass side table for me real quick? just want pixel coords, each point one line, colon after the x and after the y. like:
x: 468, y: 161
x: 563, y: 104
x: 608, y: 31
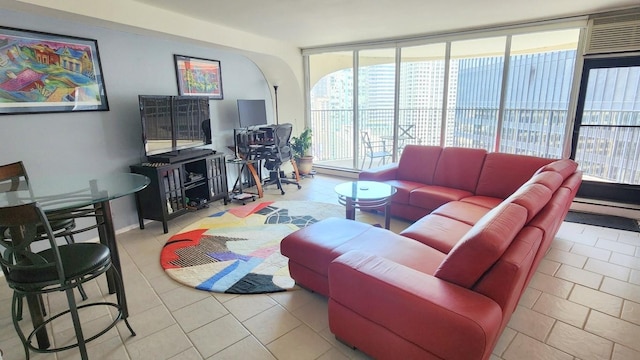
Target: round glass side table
x: 366, y: 195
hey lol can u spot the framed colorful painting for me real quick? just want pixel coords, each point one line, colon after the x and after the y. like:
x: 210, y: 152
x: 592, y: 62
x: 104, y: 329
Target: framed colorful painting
x: 43, y: 73
x: 198, y: 77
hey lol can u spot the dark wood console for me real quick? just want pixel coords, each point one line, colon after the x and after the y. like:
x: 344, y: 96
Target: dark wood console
x: 180, y: 186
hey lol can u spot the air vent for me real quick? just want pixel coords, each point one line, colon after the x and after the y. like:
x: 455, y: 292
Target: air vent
x: 613, y: 33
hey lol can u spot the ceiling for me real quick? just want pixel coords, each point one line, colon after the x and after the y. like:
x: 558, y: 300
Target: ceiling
x: 312, y: 23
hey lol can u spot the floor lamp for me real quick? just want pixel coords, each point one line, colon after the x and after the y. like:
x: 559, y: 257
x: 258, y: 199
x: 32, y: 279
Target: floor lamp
x: 275, y: 89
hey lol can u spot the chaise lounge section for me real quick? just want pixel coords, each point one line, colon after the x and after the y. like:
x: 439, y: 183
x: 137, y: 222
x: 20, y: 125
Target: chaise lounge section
x: 446, y: 286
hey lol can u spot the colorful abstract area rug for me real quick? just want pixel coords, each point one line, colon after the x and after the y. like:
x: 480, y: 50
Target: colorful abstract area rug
x: 238, y: 250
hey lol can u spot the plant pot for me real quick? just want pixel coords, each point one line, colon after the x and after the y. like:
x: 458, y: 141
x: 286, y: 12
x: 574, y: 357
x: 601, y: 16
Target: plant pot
x: 305, y: 164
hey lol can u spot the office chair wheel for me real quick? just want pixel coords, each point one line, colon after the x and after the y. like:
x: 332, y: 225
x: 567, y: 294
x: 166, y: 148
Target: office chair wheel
x: 281, y: 192
x: 299, y: 187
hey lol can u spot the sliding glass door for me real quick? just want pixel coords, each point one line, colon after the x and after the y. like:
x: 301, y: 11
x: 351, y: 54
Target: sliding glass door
x: 606, y: 139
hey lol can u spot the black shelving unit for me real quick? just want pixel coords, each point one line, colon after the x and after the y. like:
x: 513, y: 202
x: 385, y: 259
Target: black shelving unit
x: 179, y: 187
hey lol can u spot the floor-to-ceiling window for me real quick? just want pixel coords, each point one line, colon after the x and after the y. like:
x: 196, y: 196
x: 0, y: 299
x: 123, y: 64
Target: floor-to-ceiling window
x: 475, y: 80
x: 537, y: 97
x: 375, y: 106
x: 507, y: 92
x: 331, y: 108
x: 421, y: 93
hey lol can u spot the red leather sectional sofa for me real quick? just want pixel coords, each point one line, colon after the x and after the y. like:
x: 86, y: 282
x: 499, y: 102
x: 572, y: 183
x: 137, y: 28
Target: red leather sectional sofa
x: 445, y: 287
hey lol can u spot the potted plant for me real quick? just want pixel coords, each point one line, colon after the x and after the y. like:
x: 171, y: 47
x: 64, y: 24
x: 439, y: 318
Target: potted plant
x: 300, y: 146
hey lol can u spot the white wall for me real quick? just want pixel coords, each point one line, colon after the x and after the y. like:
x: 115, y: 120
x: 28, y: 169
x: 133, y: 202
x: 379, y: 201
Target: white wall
x: 100, y: 142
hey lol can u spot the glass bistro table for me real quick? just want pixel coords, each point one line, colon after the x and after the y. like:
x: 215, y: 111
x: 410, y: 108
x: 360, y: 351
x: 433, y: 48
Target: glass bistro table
x: 77, y: 196
x: 366, y: 195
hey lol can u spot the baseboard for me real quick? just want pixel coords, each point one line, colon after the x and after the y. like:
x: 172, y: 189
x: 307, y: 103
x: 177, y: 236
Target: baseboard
x: 631, y: 211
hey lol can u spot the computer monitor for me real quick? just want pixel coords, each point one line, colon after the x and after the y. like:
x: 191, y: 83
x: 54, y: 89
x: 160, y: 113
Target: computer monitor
x: 252, y: 113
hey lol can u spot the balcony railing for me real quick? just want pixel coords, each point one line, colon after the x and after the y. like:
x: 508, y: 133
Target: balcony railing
x: 609, y: 153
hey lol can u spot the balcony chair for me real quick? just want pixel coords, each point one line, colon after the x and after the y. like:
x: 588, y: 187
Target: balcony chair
x: 277, y: 154
x: 58, y: 268
x: 374, y: 150
x: 14, y: 177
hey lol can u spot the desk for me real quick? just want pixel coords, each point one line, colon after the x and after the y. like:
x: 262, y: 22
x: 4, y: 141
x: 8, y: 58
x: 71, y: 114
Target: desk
x: 73, y: 197
x: 248, y: 165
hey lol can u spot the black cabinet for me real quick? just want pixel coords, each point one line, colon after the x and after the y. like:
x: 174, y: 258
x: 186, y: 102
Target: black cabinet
x: 180, y: 187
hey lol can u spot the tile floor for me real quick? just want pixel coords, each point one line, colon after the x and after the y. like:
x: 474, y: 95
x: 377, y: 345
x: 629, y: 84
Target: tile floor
x: 583, y: 303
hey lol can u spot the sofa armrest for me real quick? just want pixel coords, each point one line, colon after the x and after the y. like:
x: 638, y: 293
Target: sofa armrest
x: 444, y: 319
x: 381, y: 173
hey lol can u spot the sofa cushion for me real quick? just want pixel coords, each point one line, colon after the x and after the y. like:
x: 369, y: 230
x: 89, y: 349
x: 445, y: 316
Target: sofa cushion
x: 502, y: 174
x: 380, y: 173
x: 404, y: 187
x: 550, y: 179
x: 484, y: 201
x: 506, y: 280
x: 483, y: 245
x: 318, y: 244
x: 440, y: 232
x: 459, y: 168
x: 418, y: 163
x: 430, y: 196
x: 468, y: 213
x: 564, y: 167
x: 532, y: 197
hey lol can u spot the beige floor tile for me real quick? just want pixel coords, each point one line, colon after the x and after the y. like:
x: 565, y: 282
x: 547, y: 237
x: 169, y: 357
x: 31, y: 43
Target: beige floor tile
x: 565, y: 257
x: 614, y: 329
x: 526, y: 348
x: 616, y: 246
x: 218, y: 335
x: 635, y: 277
x: 182, y: 296
x: 531, y: 323
x: 607, y: 269
x: 561, y: 309
x: 271, y: 324
x: 579, y: 276
x: 503, y: 342
x: 548, y: 267
x: 624, y: 353
x: 631, y: 312
x: 160, y: 345
x: 629, y: 261
x: 562, y: 244
x: 551, y: 285
x: 333, y: 354
x: 348, y: 351
x: 591, y: 252
x: 247, y: 306
x: 314, y: 313
x: 247, y: 349
x: 597, y: 300
x: 622, y: 289
x: 147, y: 322
x: 300, y: 344
x: 189, y: 354
x: 200, y: 313
x: 631, y: 238
x: 529, y: 297
x: 292, y: 300
x: 579, y: 343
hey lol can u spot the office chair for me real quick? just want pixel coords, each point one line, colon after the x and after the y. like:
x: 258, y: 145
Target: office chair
x: 14, y: 177
x: 58, y: 268
x: 374, y: 150
x: 275, y: 155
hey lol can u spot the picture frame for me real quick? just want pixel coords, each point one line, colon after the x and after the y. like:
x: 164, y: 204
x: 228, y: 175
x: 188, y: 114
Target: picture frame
x: 46, y: 73
x: 198, y: 77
